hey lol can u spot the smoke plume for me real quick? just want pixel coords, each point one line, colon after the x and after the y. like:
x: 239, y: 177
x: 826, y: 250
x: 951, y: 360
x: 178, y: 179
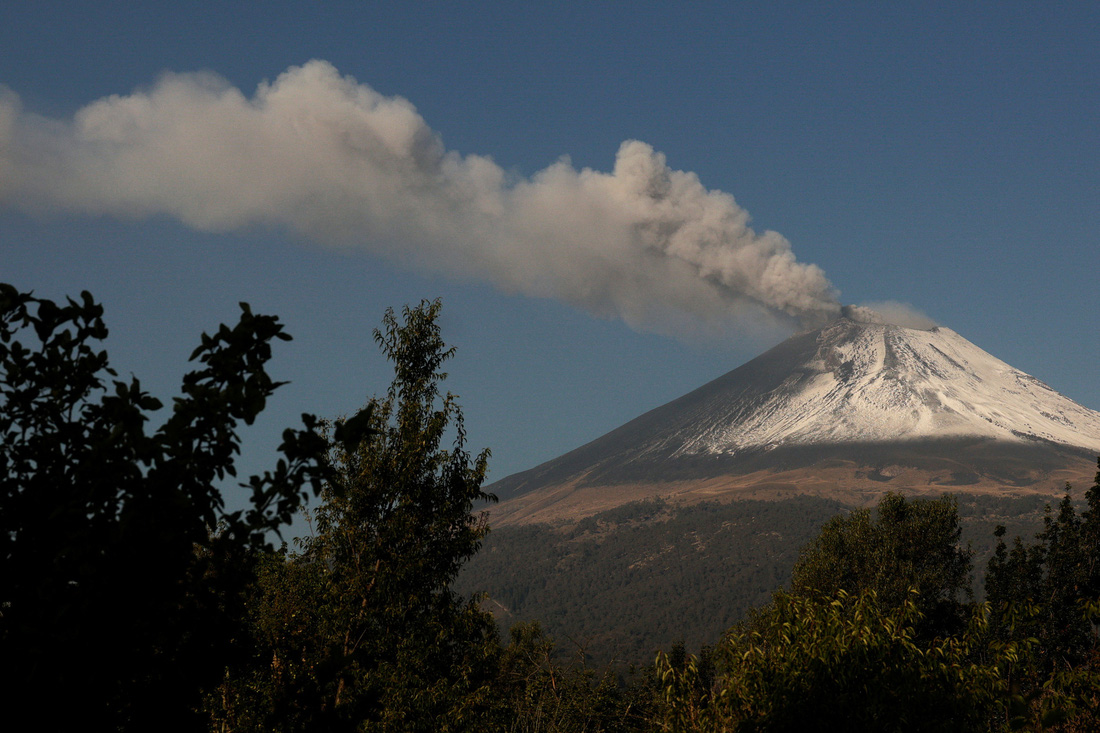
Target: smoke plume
x: 890, y: 312
x: 333, y: 160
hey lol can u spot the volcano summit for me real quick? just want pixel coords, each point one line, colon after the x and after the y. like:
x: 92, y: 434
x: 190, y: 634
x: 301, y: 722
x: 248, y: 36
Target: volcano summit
x: 849, y: 411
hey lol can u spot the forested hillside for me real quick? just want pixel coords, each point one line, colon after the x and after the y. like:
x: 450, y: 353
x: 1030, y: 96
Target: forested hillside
x: 638, y: 578
x: 626, y: 582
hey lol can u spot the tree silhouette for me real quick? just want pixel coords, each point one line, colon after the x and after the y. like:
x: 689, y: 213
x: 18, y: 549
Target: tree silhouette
x: 121, y: 569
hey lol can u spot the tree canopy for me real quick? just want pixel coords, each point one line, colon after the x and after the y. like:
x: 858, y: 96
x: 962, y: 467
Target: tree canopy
x: 121, y: 565
x: 904, y: 545
x: 1050, y: 588
x: 362, y: 627
x: 849, y: 663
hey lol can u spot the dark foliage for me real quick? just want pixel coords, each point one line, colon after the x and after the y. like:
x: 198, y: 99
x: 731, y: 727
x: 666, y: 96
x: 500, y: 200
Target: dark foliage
x: 822, y: 658
x: 362, y: 628
x: 847, y: 662
x: 1049, y: 591
x: 624, y: 583
x: 905, y: 545
x: 538, y: 691
x: 121, y: 570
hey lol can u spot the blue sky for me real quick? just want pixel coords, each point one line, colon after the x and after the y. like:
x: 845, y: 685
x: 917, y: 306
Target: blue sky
x: 942, y: 157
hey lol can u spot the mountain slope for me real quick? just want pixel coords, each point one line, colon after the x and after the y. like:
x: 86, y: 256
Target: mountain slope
x: 858, y: 407
x: 874, y: 382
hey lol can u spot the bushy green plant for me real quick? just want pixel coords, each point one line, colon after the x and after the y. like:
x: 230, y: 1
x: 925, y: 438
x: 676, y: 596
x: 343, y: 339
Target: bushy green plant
x: 850, y: 662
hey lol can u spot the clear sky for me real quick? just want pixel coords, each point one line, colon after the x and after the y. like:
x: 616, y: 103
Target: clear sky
x: 924, y: 153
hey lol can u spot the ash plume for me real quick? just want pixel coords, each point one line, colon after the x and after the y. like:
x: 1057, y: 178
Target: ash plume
x: 890, y: 312
x: 331, y: 159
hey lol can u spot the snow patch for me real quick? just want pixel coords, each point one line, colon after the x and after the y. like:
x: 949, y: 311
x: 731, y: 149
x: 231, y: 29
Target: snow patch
x: 864, y: 380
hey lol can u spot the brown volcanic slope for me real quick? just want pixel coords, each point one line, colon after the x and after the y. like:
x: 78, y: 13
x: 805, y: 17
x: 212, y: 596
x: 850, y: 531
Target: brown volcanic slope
x: 816, y: 416
x: 849, y: 478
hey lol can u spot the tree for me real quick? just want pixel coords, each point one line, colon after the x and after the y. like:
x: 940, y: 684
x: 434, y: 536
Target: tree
x: 535, y: 692
x: 1067, y: 633
x: 362, y: 629
x: 849, y: 662
x: 907, y: 544
x: 1047, y: 591
x: 121, y: 568
x: 1090, y: 537
x: 872, y: 636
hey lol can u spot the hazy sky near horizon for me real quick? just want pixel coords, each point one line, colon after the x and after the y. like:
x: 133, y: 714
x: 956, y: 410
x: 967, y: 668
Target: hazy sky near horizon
x: 616, y: 203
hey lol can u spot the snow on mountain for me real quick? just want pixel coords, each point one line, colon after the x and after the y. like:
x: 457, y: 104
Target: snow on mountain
x: 861, y: 381
x: 858, y: 407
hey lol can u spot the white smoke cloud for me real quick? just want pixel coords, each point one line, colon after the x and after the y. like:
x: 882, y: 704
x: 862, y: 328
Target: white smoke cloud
x: 10, y: 110
x: 335, y: 161
x: 890, y: 312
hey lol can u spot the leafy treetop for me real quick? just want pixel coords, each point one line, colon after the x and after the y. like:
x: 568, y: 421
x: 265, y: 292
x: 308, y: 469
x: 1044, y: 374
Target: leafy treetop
x: 120, y: 564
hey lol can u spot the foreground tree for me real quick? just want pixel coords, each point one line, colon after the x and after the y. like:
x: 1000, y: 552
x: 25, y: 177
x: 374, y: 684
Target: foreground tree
x: 883, y: 657
x: 849, y: 662
x: 1048, y: 591
x: 361, y: 629
x: 872, y: 637
x: 121, y: 568
x: 536, y: 691
x: 906, y: 544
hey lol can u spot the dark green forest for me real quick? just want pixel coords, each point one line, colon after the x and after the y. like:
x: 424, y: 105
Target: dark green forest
x: 133, y: 598
x: 624, y: 583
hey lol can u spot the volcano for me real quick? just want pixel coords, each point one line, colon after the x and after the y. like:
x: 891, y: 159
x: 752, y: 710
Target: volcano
x: 849, y: 411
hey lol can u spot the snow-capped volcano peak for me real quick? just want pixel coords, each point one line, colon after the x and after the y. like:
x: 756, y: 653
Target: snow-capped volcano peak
x: 860, y: 406
x: 861, y: 379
